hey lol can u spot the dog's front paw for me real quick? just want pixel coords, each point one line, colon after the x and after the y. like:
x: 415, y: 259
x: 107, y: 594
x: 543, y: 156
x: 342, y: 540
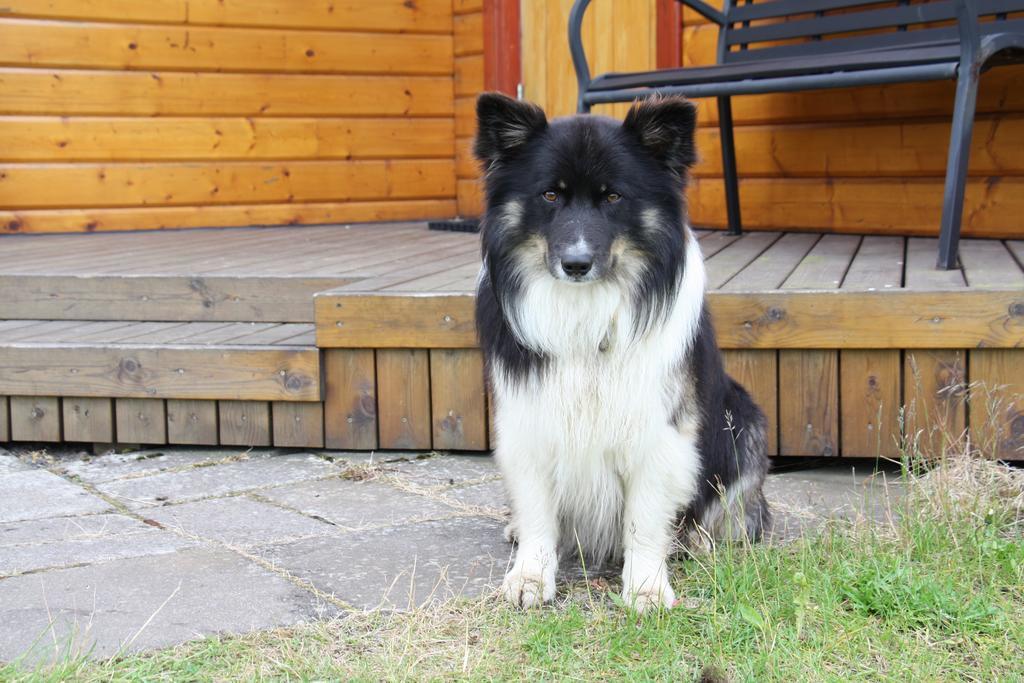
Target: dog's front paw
x: 648, y: 595
x: 526, y: 589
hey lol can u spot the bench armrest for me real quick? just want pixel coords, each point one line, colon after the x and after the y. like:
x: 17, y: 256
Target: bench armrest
x: 970, y: 32
x: 579, y: 57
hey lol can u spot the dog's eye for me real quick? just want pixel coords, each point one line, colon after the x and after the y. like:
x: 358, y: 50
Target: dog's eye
x: 612, y: 197
x: 550, y: 196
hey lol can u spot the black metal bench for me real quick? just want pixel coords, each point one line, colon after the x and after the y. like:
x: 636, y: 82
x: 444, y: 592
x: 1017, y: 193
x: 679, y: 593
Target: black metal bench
x: 832, y: 50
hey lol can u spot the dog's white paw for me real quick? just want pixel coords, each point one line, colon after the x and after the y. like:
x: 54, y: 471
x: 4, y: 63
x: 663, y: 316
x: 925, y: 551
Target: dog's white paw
x: 511, y: 535
x: 526, y: 589
x: 651, y: 595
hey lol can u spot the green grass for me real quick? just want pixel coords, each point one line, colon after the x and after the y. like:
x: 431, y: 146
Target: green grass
x: 936, y: 595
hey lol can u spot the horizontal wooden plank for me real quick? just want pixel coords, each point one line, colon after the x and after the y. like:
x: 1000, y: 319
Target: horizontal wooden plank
x: 868, y: 320
x: 147, y: 218
x: 469, y: 192
x: 467, y: 6
x: 469, y: 34
x: 904, y: 148
x: 68, y: 92
x: 469, y: 75
x: 992, y: 206
x: 383, y: 320
x: 92, y: 45
x: 56, y: 138
x: 429, y: 16
x: 465, y: 116
x: 197, y: 298
x: 239, y: 373
x: 30, y: 186
x: 466, y: 165
x: 743, y: 320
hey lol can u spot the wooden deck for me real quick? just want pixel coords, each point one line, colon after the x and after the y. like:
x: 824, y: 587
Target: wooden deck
x: 208, y: 337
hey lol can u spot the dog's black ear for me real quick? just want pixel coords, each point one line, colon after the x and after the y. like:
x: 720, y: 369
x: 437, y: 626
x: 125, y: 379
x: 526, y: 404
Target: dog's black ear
x: 504, y: 125
x: 666, y: 127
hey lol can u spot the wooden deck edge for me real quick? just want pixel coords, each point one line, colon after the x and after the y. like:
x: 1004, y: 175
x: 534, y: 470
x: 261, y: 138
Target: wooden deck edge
x: 777, y: 319
x: 239, y: 373
x: 164, y: 298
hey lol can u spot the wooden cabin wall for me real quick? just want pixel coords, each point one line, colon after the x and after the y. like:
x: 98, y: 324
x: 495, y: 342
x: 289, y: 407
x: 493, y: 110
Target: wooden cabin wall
x: 618, y: 35
x: 186, y: 113
x: 864, y: 160
x: 469, y: 82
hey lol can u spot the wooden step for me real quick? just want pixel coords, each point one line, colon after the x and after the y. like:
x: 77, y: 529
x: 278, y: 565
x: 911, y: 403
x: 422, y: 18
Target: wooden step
x: 229, y: 275
x: 164, y: 360
x: 773, y: 319
x: 181, y: 298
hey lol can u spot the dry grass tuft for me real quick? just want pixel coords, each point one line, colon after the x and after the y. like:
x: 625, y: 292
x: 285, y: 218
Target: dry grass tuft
x: 973, y: 485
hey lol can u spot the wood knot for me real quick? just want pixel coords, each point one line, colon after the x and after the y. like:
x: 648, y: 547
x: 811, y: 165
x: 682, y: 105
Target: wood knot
x: 294, y: 383
x: 129, y: 365
x: 775, y: 314
x: 1017, y: 428
x: 452, y: 423
x: 1017, y: 309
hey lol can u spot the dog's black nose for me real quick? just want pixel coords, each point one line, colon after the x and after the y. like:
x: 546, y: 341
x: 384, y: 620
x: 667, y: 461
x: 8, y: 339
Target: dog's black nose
x: 577, y: 266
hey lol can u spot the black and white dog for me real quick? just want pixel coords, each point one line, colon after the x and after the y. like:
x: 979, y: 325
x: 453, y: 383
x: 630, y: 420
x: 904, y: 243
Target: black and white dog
x: 618, y: 431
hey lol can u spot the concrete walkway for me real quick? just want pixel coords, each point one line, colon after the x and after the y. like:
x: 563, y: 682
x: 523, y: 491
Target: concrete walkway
x: 124, y: 552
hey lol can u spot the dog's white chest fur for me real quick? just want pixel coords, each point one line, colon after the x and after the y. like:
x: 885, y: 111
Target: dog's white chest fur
x: 603, y: 407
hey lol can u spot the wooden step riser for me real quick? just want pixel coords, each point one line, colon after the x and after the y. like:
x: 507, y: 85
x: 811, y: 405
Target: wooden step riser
x: 157, y: 422
x: 781, y: 319
x: 238, y: 373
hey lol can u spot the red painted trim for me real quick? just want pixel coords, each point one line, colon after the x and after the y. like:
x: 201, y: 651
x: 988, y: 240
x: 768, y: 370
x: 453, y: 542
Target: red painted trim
x: 670, y: 34
x: 502, y: 66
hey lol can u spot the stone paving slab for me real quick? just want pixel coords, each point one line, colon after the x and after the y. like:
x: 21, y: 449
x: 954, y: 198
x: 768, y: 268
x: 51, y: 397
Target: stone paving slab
x: 58, y: 529
x: 805, y: 499
x: 402, y: 566
x: 238, y: 521
x: 490, y: 495
x: 357, y: 504
x: 217, y: 480
x: 112, y: 466
x: 447, y: 470
x: 9, y: 463
x: 102, y: 608
x: 35, y: 494
x: 115, y: 541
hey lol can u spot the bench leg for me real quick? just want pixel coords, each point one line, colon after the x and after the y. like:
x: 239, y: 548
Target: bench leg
x: 732, y: 187
x: 956, y: 168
